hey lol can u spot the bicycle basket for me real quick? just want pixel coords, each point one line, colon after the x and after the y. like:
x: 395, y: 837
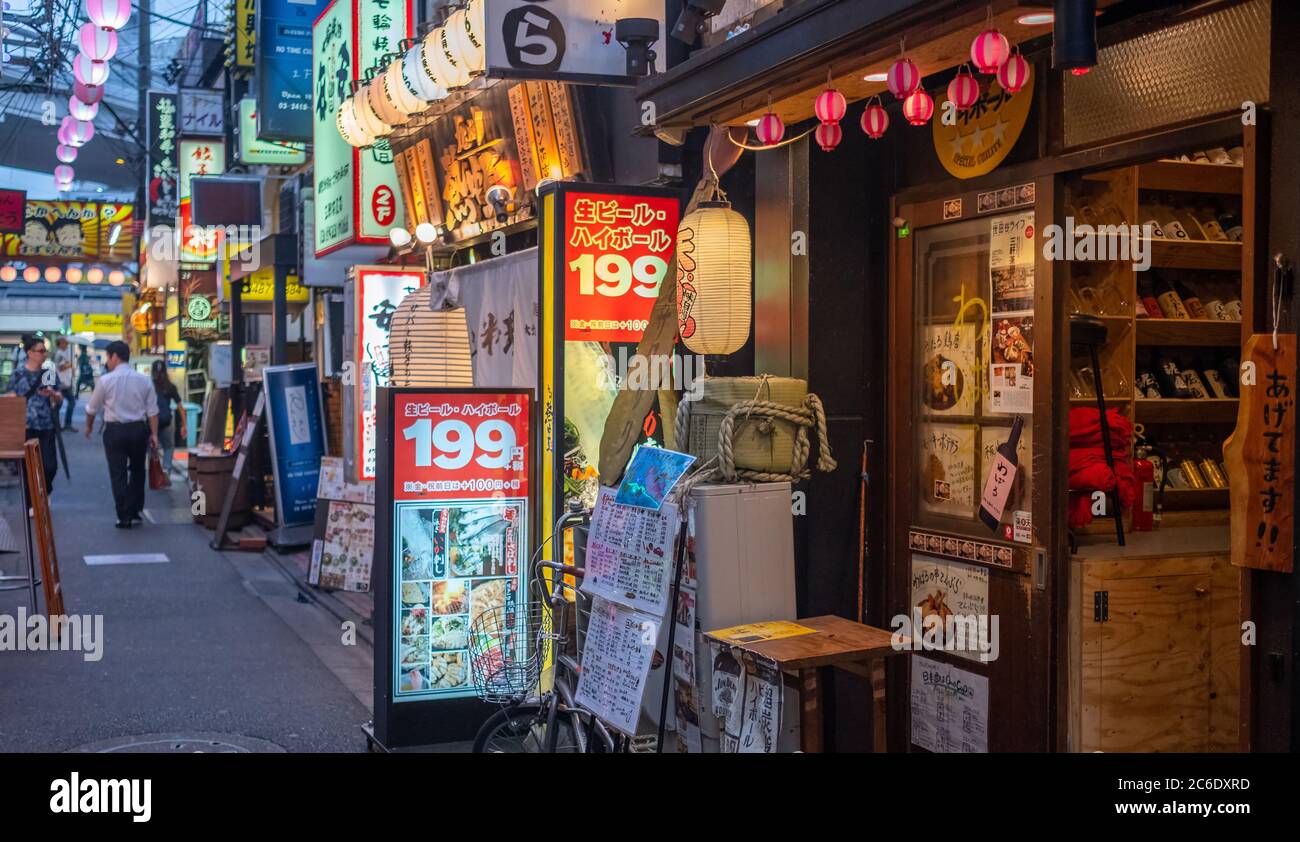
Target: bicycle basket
x: 508, y: 649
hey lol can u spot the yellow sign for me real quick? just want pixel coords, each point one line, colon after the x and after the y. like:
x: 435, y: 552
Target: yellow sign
x: 245, y: 32
x: 260, y: 286
x: 756, y: 632
x: 106, y: 323
x: 981, y: 136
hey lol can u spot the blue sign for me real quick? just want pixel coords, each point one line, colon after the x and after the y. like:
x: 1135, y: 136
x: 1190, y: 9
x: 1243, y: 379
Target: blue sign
x: 284, y: 68
x: 176, y: 359
x: 297, y: 428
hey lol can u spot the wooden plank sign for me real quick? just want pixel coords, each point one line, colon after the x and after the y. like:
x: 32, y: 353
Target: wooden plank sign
x: 1260, y: 456
x: 40, y: 500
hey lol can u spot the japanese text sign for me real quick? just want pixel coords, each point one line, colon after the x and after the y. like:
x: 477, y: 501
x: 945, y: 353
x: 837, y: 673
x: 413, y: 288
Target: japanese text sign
x: 161, y: 200
x: 378, y: 291
x: 12, y: 206
x: 460, y: 445
x: 198, y: 157
x: 202, y: 113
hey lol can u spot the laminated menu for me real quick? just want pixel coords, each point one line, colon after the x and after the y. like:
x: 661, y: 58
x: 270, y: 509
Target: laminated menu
x: 630, y: 554
x: 616, y: 658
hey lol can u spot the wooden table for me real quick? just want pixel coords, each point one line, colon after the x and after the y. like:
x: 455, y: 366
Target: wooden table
x: 835, y: 643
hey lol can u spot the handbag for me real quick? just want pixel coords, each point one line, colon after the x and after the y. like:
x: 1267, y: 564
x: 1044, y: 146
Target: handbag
x: 158, y: 478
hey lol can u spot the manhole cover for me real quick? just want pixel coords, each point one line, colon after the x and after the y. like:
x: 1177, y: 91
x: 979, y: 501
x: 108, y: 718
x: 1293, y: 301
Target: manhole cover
x: 196, y: 743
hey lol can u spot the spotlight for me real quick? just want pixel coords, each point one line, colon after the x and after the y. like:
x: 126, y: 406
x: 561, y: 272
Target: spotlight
x: 399, y: 237
x: 694, y: 17
x: 638, y: 35
x: 426, y: 233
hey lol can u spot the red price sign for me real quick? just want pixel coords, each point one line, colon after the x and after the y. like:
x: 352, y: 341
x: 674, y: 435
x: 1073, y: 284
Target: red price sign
x: 460, y: 445
x: 616, y: 253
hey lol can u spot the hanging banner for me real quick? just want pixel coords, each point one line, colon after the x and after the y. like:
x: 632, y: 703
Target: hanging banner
x: 253, y: 150
x: 198, y: 157
x: 162, y: 204
x: 563, y: 40
x: 297, y: 430
x: 202, y: 113
x: 284, y: 68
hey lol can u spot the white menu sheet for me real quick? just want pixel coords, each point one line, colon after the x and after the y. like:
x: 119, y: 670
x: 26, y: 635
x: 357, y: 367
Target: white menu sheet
x: 615, y: 661
x: 950, y: 708
x: 630, y: 554
x: 761, y: 715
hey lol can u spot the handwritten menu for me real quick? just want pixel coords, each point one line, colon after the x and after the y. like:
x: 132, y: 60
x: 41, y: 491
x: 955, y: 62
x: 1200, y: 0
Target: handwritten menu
x: 615, y: 661
x: 761, y: 716
x: 950, y: 708
x: 630, y: 554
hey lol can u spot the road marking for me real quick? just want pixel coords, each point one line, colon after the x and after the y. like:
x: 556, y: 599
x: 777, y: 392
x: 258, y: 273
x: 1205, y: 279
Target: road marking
x: 129, y: 558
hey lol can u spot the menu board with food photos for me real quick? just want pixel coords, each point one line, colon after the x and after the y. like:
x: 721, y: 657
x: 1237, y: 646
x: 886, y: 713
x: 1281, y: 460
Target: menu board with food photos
x: 949, y: 376
x: 948, y: 453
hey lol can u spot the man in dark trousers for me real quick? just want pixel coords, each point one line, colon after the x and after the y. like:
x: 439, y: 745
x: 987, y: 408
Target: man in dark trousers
x: 130, y: 407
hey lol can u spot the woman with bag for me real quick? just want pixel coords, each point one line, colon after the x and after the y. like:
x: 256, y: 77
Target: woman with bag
x: 167, y: 396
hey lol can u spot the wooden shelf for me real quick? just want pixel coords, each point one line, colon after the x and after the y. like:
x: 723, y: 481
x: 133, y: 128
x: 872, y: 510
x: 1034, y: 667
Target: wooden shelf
x: 1190, y: 178
x: 1181, y: 499
x: 1193, y: 332
x: 1190, y: 410
x: 1196, y: 254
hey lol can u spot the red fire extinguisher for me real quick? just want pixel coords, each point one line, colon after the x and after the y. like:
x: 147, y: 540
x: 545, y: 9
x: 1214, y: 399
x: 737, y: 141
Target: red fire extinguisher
x: 1144, y: 506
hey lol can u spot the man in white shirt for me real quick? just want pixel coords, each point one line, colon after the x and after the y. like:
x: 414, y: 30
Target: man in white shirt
x: 65, y: 366
x: 130, y: 407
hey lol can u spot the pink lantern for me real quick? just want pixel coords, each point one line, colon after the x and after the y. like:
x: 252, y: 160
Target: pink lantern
x: 989, y: 50
x: 903, y: 78
x: 76, y: 132
x: 963, y: 90
x: 828, y: 136
x: 64, y: 138
x: 89, y: 94
x: 918, y: 108
x: 1014, y: 75
x: 875, y: 119
x: 830, y: 106
x: 110, y: 14
x: 66, y: 154
x: 63, y: 172
x: 89, y: 72
x: 770, y: 129
x: 96, y: 42
x: 81, y: 110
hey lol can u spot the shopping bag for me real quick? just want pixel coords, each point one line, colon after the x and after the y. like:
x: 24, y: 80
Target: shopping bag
x: 158, y: 478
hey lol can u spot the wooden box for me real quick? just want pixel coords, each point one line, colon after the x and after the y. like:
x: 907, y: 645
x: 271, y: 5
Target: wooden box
x: 13, y: 422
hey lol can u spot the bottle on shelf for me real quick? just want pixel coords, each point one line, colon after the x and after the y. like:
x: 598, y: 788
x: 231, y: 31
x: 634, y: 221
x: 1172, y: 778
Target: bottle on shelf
x: 1229, y: 371
x: 1192, y: 473
x: 1209, y: 220
x: 1001, y: 480
x: 1170, y: 377
x: 1214, y: 381
x: 1169, y: 223
x: 1147, y: 214
x: 1195, y: 386
x: 1190, y: 223
x: 1195, y: 309
x: 1232, y: 306
x: 1231, y: 225
x: 1171, y: 303
x: 1147, y: 296
x: 1214, y: 478
x: 1214, y: 302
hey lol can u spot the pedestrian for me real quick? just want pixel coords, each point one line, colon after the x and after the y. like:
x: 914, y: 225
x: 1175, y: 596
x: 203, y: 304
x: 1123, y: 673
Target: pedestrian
x: 35, y: 382
x: 130, y: 407
x: 64, y: 366
x: 86, y: 376
x: 167, y: 395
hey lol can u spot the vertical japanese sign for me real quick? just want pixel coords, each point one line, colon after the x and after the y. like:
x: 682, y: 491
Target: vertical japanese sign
x: 13, y: 203
x: 1260, y: 456
x: 378, y: 291
x: 198, y: 157
x: 161, y: 205
x: 296, y: 425
x: 616, y: 252
x: 284, y: 68
x: 245, y: 33
x: 356, y: 189
x: 460, y: 485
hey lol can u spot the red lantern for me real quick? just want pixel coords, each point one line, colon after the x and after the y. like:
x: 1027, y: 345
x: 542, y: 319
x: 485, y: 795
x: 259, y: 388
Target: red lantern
x: 903, y: 78
x: 963, y: 90
x: 830, y: 106
x: 918, y: 108
x: 875, y: 119
x: 1014, y: 75
x: 989, y: 50
x: 828, y: 136
x: 770, y: 129
x: 89, y: 94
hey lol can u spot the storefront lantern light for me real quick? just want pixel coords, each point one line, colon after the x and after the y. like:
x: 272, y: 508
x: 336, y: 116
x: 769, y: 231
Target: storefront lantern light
x: 402, y: 98
x: 471, y: 33
x: 349, y: 129
x: 96, y: 42
x: 63, y: 172
x: 89, y: 72
x: 31, y: 274
x: 918, y: 107
x: 76, y: 132
x: 903, y: 78
x: 828, y: 136
x: 426, y: 233
x: 417, y: 78
x: 875, y: 119
x: 382, y: 105
x: 53, y: 274
x: 770, y: 128
x: 449, y: 72
x: 81, y: 110
x: 8, y: 273
x: 399, y: 237
x: 964, y: 89
x: 369, y: 122
x: 1014, y: 75
x: 116, y: 278
x: 830, y: 105
x: 95, y: 275
x: 453, y: 44
x: 110, y: 14
x: 74, y: 275
x: 989, y: 50
x: 66, y: 154
x: 715, y: 240
x: 89, y: 94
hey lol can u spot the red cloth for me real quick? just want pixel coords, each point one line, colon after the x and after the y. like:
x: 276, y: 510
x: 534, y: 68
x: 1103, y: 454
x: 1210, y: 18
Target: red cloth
x: 1088, y: 469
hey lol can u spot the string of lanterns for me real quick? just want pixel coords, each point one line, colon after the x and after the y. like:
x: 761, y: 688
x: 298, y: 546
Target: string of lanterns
x: 97, y: 42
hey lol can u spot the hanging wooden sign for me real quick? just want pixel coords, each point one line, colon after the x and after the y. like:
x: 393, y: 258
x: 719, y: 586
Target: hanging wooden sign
x: 1260, y: 456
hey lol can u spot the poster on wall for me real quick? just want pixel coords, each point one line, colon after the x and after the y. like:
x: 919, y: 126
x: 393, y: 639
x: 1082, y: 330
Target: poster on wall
x: 950, y: 708
x: 1011, y: 364
x: 948, y: 469
x: 460, y: 489
x: 947, y: 597
x: 991, y: 438
x: 950, y: 377
x: 296, y: 423
x: 1011, y: 262
x: 630, y: 553
x: 619, y: 646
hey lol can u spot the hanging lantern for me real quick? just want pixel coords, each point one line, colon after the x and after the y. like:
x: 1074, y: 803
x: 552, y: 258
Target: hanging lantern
x: 828, y: 136
x: 875, y: 119
x: 380, y: 103
x: 66, y: 154
x: 830, y: 106
x: 403, y: 100
x: 1014, y: 75
x: 89, y: 72
x: 53, y: 274
x: 74, y: 275
x: 416, y: 77
x: 349, y: 129
x: 96, y: 42
x: 470, y: 33
x: 63, y: 172
x: 95, y: 275
x: 76, y: 132
x: 714, y: 294
x: 367, y: 119
x: 964, y: 89
x: 903, y: 78
x: 769, y: 130
x: 110, y: 14
x: 116, y: 278
x: 989, y: 50
x: 444, y: 69
x: 81, y: 110
x: 64, y: 138
x: 8, y: 273
x: 918, y: 108
x: 453, y: 42
x: 427, y: 346
x: 31, y: 274
x: 89, y: 94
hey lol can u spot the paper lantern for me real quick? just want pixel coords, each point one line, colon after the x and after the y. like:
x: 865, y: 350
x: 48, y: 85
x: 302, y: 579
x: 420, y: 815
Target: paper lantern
x: 903, y: 78
x: 95, y: 275
x: 875, y: 119
x: 31, y: 274
x: 89, y: 94
x: 62, y: 134
x: 964, y: 89
x: 63, y: 172
x: 82, y: 110
x: 989, y: 50
x: 349, y: 129
x: 828, y: 136
x: 714, y: 277
x: 402, y: 98
x: 381, y: 104
x: 89, y: 72
x: 417, y: 80
x: 770, y: 129
x: 918, y: 108
x: 76, y: 132
x: 8, y: 273
x: 53, y: 274
x: 96, y: 42
x: 439, y: 55
x: 74, y: 275
x: 1014, y: 75
x: 116, y: 278
x: 66, y: 154
x: 427, y: 347
x: 367, y: 119
x: 471, y: 35
x: 453, y: 42
x: 110, y: 14
x: 830, y: 106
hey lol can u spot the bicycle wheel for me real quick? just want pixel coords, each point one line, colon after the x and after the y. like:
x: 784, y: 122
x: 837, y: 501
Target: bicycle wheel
x: 511, y: 730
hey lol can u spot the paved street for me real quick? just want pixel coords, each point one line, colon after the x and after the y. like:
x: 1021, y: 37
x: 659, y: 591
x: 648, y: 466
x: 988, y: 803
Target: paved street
x: 210, y: 642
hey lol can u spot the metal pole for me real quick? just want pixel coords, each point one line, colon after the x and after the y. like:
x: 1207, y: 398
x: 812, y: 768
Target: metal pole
x: 280, y: 317
x: 678, y: 564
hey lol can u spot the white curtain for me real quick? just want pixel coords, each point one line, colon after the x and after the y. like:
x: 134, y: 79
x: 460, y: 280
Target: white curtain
x: 501, y: 309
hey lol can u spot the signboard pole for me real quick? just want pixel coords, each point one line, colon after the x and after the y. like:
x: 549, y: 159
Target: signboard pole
x: 218, y: 541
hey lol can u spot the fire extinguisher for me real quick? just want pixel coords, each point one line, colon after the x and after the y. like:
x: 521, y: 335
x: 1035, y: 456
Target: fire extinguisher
x: 1144, y: 506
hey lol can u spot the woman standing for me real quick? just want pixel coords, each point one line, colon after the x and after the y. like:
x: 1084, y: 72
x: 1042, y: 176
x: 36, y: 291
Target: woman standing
x: 167, y: 395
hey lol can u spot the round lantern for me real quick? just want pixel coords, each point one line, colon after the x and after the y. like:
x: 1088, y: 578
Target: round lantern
x: 66, y: 154
x: 74, y: 275
x: 903, y: 78
x: 875, y: 119
x: 713, y: 279
x: 349, y: 129
x: 8, y: 273
x: 402, y: 98
x: 429, y: 346
x: 53, y: 274
x: 918, y: 108
x: 439, y: 55
x: 31, y: 274
x: 89, y: 72
x: 989, y: 50
x: 1014, y: 75
x: 95, y: 275
x: 470, y: 33
x: 963, y: 90
x: 454, y: 41
x: 62, y: 134
x: 380, y: 103
x: 769, y: 130
x: 828, y: 136
x: 830, y: 106
x: 89, y: 94
x: 82, y: 110
x: 63, y: 172
x: 110, y: 14
x: 367, y: 119
x: 96, y: 42
x: 415, y: 75
x: 76, y: 132
x: 116, y: 278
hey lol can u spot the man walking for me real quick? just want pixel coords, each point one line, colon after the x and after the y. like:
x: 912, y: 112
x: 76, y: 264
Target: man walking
x: 130, y: 409
x: 33, y: 381
x: 65, y: 366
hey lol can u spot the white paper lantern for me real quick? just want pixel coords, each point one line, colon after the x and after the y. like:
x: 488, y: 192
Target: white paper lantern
x: 417, y: 79
x: 66, y: 154
x: 82, y: 110
x: 63, y: 172
x: 427, y: 347
x: 349, y: 129
x: 96, y: 42
x: 116, y: 278
x: 472, y: 42
x: 95, y: 275
x: 110, y: 14
x: 445, y: 69
x: 714, y: 279
x: 367, y: 119
x: 89, y: 72
x: 455, y: 42
x: 8, y: 273
x: 399, y: 96
x: 382, y: 105
x: 31, y: 274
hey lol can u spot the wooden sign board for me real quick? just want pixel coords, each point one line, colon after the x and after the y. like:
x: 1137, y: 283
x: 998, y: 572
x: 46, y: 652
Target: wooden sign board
x: 40, y: 501
x: 1260, y: 456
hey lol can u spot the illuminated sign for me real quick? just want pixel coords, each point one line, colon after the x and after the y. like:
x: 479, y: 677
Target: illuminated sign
x: 284, y: 68
x: 161, y: 202
x: 563, y: 39
x: 198, y: 157
x: 245, y: 33
x: 260, y: 286
x: 106, y: 323
x: 254, y: 151
x: 202, y: 113
x: 87, y: 230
